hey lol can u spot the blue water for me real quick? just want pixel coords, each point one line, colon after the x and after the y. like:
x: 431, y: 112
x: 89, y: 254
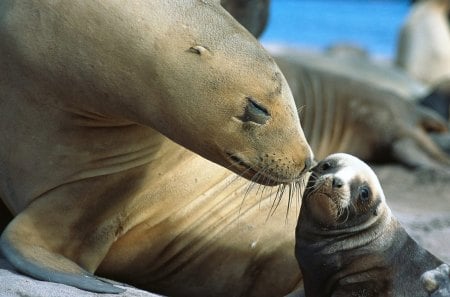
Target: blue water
x: 370, y: 24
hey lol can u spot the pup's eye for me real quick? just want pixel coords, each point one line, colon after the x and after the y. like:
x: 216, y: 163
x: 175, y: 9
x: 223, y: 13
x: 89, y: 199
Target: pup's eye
x: 364, y: 194
x: 325, y: 166
x: 255, y: 112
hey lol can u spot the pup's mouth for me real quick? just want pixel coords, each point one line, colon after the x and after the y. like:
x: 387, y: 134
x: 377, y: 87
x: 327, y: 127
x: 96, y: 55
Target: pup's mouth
x: 257, y: 175
x: 316, y: 186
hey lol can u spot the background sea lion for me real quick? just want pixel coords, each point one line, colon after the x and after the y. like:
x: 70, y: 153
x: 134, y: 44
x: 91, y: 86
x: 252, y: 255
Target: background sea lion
x: 341, y: 113
x: 423, y: 47
x: 439, y: 99
x: 84, y: 108
x: 357, y: 66
x: 348, y: 243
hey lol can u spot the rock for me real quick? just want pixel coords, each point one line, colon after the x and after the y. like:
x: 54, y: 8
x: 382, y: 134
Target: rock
x: 437, y: 281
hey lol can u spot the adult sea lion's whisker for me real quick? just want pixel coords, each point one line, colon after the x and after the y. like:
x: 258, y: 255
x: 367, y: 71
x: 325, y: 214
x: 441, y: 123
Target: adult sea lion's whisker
x: 262, y: 172
x: 271, y: 194
x: 237, y: 175
x: 248, y: 189
x: 261, y: 197
x: 278, y: 199
x: 301, y: 185
x: 289, y: 201
x: 254, y: 181
x: 300, y: 190
x: 258, y: 179
x: 263, y: 185
x: 274, y: 201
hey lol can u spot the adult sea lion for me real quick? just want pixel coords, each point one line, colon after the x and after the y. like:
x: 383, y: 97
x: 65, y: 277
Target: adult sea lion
x: 341, y: 113
x: 90, y: 91
x: 348, y: 243
x: 423, y: 47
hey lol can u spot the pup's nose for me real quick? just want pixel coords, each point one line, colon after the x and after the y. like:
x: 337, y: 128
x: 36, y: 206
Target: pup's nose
x: 337, y: 182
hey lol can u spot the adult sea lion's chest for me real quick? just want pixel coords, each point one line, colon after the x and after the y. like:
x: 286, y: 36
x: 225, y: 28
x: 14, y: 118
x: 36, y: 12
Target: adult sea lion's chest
x: 53, y: 147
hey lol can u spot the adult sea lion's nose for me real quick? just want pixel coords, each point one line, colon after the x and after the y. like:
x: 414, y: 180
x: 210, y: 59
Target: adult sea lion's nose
x: 309, y: 163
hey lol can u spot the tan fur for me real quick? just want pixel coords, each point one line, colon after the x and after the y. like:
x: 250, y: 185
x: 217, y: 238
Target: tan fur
x: 90, y: 93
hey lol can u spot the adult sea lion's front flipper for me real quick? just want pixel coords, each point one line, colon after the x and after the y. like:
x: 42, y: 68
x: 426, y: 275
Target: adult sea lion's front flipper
x: 18, y: 245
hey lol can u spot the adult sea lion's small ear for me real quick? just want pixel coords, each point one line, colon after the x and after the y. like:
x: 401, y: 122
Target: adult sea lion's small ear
x: 218, y: 2
x: 198, y: 49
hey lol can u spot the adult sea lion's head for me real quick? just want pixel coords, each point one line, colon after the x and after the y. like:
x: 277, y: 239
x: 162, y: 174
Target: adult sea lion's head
x: 185, y: 68
x: 227, y: 99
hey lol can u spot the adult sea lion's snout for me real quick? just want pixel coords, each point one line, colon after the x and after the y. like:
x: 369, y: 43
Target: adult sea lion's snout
x: 272, y: 148
x: 268, y: 175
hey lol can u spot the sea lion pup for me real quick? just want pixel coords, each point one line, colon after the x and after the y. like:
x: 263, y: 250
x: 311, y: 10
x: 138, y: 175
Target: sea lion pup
x: 348, y: 243
x: 90, y: 93
x: 423, y: 47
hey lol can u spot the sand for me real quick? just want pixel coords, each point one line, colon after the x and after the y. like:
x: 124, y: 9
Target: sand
x: 422, y: 204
